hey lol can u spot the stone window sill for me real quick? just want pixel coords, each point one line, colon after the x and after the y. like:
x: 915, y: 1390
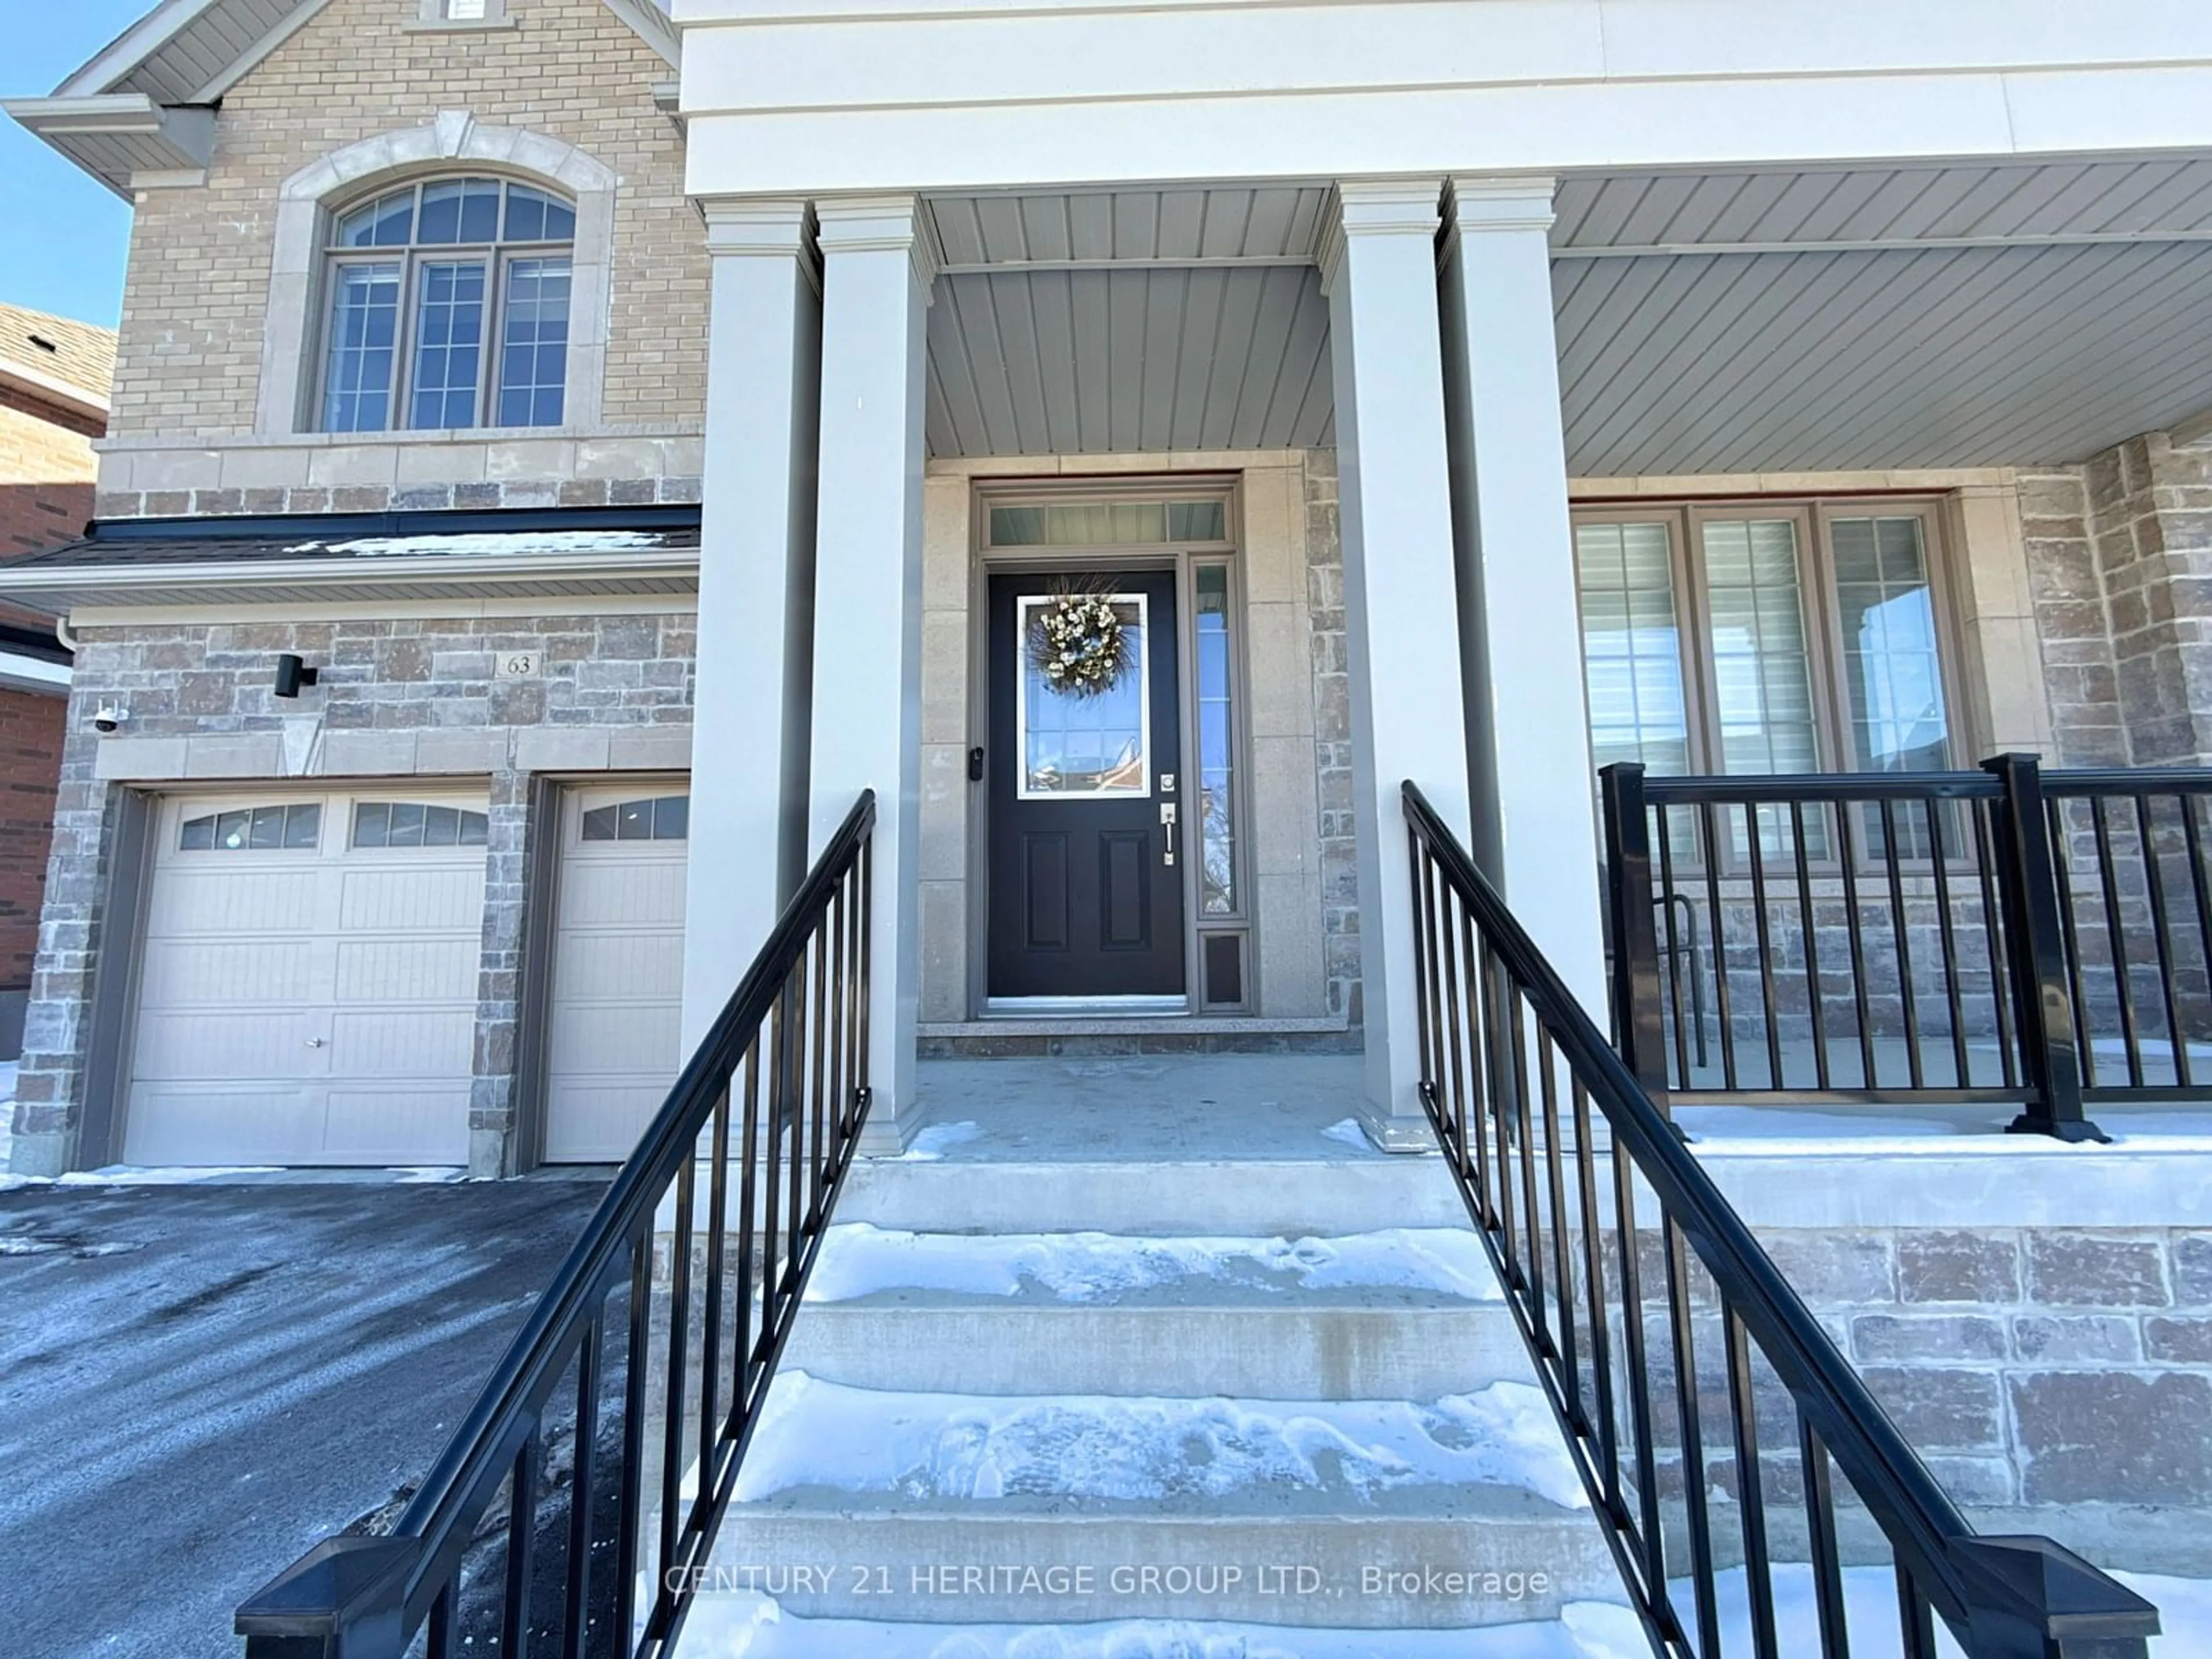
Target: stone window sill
x: 458, y: 25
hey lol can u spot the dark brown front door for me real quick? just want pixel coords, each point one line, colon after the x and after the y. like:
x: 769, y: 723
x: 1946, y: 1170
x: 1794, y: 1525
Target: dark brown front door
x: 1086, y: 892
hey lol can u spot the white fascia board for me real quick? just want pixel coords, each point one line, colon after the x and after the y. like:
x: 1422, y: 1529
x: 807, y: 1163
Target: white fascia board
x: 1390, y: 132
x: 185, y: 135
x: 45, y: 587
x: 22, y: 673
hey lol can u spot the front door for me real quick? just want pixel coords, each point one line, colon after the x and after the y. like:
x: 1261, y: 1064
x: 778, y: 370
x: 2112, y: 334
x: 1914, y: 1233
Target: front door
x: 1084, y: 787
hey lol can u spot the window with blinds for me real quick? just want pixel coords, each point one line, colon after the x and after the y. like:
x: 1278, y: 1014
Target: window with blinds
x: 1792, y: 636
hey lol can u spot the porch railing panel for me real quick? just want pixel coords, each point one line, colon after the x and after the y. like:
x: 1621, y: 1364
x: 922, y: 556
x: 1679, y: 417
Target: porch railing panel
x: 1745, y: 1477
x: 2003, y: 935
x: 572, y: 1512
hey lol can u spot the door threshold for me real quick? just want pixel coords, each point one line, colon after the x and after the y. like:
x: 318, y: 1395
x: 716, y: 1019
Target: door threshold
x: 1111, y: 1007
x: 1097, y: 1024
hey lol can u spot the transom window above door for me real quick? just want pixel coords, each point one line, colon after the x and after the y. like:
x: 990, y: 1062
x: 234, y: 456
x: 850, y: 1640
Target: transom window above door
x: 448, y: 307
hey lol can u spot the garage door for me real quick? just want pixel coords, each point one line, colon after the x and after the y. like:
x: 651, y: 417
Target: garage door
x: 614, y: 1038
x: 308, y: 982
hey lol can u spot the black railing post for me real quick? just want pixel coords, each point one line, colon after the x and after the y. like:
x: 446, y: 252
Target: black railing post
x: 1638, y: 1019
x: 2030, y: 1598
x: 345, y: 1599
x: 2035, y: 956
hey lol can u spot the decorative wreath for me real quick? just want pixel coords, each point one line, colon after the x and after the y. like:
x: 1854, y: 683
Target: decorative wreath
x: 1079, y: 643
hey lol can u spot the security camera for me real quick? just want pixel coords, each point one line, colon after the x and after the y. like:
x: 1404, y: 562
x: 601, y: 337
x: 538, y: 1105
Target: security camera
x: 110, y: 717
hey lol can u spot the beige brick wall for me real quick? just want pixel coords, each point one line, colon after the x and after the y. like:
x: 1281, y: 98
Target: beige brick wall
x: 200, y: 257
x: 33, y: 449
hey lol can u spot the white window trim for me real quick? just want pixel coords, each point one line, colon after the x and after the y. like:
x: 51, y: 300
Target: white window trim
x: 291, y: 333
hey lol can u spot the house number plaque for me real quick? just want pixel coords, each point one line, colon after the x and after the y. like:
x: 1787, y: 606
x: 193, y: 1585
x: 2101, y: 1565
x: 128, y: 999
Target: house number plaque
x: 515, y: 665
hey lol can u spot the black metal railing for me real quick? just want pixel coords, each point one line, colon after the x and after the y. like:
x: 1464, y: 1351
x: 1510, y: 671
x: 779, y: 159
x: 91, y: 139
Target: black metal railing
x: 665, y: 1322
x: 2005, y: 935
x: 1707, y: 1410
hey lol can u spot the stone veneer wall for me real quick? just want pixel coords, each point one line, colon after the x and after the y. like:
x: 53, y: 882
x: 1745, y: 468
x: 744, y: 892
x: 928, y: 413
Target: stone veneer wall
x: 1332, y: 693
x: 397, y: 697
x: 2119, y: 555
x: 2037, y: 1370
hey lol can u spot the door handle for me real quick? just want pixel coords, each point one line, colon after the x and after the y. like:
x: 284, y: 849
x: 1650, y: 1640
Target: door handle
x: 1167, y: 832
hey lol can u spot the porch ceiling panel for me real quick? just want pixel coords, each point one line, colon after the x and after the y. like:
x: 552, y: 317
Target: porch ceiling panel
x: 1100, y: 361
x: 1236, y: 223
x: 1849, y: 360
x: 2051, y: 200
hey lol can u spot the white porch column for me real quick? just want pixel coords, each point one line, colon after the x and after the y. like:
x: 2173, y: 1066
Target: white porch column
x: 1528, y: 735
x: 748, y: 754
x: 1378, y: 268
x: 876, y: 276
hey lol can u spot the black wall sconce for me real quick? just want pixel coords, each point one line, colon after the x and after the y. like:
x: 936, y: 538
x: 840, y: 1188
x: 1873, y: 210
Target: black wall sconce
x: 292, y: 674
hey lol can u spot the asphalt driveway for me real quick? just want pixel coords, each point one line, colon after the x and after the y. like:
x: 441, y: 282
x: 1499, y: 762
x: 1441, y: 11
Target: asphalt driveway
x: 197, y: 1381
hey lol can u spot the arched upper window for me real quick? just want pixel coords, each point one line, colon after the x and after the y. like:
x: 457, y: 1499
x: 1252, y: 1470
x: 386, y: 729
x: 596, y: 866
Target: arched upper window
x: 448, y: 307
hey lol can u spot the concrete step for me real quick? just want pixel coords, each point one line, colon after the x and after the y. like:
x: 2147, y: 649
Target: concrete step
x: 1294, y: 1511
x: 1405, y: 1313
x: 1286, y: 1198
x: 751, y: 1625
x: 1307, y: 1352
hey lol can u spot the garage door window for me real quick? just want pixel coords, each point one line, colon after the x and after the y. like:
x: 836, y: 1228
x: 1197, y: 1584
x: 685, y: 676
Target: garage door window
x: 663, y: 817
x: 412, y: 823
x: 253, y: 829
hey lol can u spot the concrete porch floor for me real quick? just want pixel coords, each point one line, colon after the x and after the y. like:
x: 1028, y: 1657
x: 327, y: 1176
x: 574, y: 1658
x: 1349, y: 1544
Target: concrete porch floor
x: 1148, y: 1108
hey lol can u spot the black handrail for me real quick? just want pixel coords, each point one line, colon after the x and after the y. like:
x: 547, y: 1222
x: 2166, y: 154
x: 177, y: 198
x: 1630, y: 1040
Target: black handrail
x: 787, y: 1059
x: 1531, y: 1174
x: 1979, y: 937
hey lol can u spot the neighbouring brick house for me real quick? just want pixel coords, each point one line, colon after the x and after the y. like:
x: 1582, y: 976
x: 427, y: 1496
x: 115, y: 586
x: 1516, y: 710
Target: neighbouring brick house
x: 652, y: 433
x: 54, y: 379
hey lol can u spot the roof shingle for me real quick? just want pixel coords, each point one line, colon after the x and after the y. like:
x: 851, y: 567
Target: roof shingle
x: 78, y: 354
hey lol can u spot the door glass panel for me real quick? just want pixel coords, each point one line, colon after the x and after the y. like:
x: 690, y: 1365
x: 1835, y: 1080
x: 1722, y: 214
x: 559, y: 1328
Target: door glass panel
x: 1217, y: 741
x: 1095, y: 744
x: 1762, y: 665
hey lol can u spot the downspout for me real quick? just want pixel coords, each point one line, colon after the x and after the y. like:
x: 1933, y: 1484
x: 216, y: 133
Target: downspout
x: 62, y: 633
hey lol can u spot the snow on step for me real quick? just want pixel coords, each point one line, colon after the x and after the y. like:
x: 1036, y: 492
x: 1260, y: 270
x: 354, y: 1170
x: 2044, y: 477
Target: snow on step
x: 749, y: 1626
x: 861, y: 1259
x: 1210, y: 1454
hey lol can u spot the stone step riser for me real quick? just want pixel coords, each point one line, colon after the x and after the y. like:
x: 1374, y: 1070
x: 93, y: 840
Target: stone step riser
x: 1285, y: 1199
x: 1300, y: 1352
x: 1303, y: 1571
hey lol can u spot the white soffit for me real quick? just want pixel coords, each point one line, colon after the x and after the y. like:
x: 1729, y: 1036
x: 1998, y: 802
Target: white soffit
x: 1944, y: 315
x: 1096, y: 362
x: 1234, y: 223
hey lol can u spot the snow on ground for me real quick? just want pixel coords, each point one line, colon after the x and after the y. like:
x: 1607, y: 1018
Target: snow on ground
x: 1136, y: 1448
x: 747, y: 1626
x: 1348, y: 1131
x: 479, y: 541
x: 930, y: 1143
x: 859, y: 1260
